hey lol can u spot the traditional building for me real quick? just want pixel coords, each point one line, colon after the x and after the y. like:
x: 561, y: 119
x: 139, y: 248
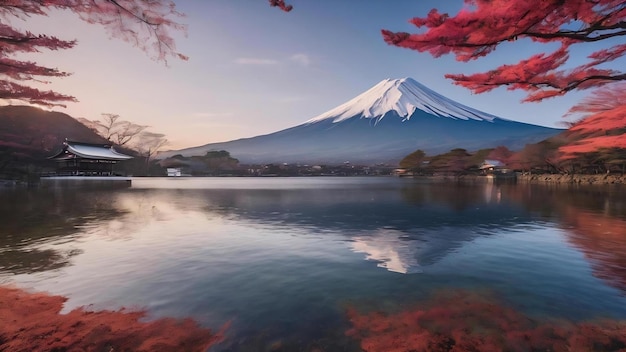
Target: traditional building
x: 492, y: 166
x: 86, y: 159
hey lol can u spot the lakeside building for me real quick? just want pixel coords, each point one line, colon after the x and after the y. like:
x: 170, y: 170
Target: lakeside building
x: 174, y: 172
x: 497, y: 170
x: 87, y: 159
x: 86, y: 165
x: 489, y: 167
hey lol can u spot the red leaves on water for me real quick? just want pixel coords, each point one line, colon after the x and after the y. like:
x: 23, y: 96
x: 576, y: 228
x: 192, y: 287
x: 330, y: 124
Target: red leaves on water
x: 32, y: 322
x: 462, y: 321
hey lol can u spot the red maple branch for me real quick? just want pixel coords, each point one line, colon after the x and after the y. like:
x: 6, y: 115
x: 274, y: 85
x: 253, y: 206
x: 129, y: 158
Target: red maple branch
x: 483, y: 25
x: 146, y: 24
x: 281, y: 5
x: 11, y: 90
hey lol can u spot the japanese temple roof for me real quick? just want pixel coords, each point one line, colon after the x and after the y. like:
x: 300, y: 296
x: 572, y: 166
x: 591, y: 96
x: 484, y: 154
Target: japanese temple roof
x: 89, y: 151
x: 491, y: 163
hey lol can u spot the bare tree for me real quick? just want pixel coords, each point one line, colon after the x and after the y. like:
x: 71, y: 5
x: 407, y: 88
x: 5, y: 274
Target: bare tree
x: 117, y: 131
x: 148, y: 144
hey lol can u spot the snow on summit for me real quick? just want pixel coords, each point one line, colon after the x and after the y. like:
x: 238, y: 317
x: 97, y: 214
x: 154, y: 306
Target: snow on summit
x: 403, y: 96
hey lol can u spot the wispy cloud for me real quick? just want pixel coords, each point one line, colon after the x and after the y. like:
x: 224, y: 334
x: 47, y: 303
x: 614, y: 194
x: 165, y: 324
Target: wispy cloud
x: 211, y: 114
x: 288, y: 100
x: 298, y: 58
x: 301, y: 59
x: 255, y: 61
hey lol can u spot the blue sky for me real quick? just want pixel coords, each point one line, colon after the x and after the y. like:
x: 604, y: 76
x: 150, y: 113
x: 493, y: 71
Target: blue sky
x: 254, y: 69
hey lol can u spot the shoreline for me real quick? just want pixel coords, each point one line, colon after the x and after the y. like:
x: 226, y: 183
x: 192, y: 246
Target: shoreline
x: 541, y: 179
x: 575, y: 179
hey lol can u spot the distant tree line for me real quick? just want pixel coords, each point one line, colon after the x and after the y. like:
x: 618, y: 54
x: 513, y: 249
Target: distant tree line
x: 596, y: 143
x: 455, y: 162
x: 213, y: 163
x: 543, y: 157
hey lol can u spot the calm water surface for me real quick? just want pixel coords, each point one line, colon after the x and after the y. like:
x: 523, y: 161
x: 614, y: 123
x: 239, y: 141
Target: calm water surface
x: 283, y: 258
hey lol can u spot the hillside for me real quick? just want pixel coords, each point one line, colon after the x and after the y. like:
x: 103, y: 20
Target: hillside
x: 29, y: 135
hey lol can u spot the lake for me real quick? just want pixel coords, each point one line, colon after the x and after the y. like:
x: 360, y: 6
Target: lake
x: 297, y: 263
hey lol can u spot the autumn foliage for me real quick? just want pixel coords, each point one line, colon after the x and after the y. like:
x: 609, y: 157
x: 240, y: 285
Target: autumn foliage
x: 456, y: 161
x: 603, y: 125
x: 145, y: 24
x: 281, y: 5
x: 484, y: 25
x: 413, y: 161
x: 32, y: 322
x: 459, y: 321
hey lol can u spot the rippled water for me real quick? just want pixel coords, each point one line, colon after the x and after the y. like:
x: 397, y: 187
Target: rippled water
x: 283, y: 258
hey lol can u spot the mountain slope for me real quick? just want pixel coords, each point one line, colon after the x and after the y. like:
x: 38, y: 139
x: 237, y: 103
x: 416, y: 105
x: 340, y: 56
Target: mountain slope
x: 30, y: 128
x: 29, y: 135
x: 382, y: 125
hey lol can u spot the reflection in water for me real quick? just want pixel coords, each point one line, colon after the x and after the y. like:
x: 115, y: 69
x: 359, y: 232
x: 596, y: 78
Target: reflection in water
x: 403, y: 228
x: 29, y: 259
x: 390, y: 249
x: 29, y: 219
x: 283, y: 257
x: 594, y: 219
x: 457, y: 197
x: 414, y: 250
x: 602, y: 239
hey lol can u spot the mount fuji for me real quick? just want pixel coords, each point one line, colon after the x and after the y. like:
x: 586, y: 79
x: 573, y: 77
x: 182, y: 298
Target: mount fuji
x: 382, y: 125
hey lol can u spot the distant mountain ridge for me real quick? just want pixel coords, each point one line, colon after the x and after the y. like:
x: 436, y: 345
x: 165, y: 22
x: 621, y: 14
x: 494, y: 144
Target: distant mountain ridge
x: 35, y: 132
x: 28, y: 136
x: 381, y: 125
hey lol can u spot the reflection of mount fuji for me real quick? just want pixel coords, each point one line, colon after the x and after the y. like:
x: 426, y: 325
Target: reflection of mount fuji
x: 384, y: 124
x: 390, y: 249
x: 403, y: 227
x: 407, y: 252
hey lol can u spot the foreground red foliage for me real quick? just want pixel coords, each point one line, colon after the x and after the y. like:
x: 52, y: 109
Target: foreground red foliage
x: 592, y: 144
x: 603, y: 110
x: 145, y: 24
x: 281, y: 5
x: 481, y: 26
x: 603, y: 125
x: 32, y: 322
x: 463, y: 321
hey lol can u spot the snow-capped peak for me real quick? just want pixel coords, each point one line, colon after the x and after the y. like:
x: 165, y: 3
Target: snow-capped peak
x: 403, y: 96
